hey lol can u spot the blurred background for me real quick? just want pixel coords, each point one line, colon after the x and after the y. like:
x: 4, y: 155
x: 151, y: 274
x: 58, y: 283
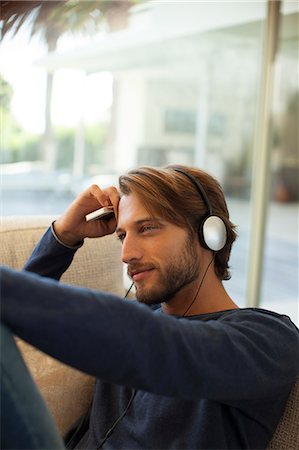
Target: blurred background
x: 90, y: 89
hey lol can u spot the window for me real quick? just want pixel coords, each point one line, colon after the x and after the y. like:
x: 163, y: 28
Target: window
x: 179, y: 85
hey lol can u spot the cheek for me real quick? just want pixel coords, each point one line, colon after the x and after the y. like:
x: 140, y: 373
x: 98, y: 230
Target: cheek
x: 168, y: 254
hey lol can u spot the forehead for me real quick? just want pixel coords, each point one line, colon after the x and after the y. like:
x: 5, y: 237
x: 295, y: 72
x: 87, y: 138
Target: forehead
x: 130, y: 208
x: 132, y: 213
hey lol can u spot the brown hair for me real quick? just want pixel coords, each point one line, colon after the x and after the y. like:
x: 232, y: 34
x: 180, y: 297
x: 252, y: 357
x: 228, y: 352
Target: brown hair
x: 173, y: 197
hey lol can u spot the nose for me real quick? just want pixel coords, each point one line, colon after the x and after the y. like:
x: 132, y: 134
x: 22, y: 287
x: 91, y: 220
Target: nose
x: 131, y: 249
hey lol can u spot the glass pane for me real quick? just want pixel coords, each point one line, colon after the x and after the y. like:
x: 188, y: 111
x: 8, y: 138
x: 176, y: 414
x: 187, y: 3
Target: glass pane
x: 280, y: 282
x: 179, y: 85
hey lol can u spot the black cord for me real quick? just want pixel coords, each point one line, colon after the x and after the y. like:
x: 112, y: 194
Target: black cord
x: 116, y: 422
x: 114, y: 425
x: 128, y: 291
x: 119, y: 419
x: 200, y: 284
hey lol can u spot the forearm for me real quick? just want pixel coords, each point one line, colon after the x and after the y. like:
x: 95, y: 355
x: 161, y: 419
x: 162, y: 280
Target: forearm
x: 55, y: 251
x: 128, y: 344
x: 50, y: 258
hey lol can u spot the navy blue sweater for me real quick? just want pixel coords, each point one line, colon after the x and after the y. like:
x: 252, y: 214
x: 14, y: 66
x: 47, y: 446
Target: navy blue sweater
x: 213, y: 381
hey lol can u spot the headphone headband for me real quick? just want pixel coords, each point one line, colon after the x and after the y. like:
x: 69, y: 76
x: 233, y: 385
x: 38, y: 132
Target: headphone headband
x: 198, y: 187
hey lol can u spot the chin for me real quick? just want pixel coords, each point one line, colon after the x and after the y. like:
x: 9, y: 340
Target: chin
x: 148, y: 298
x: 154, y: 298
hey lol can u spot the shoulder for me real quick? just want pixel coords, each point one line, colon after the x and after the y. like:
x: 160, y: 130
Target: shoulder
x: 259, y: 320
x: 258, y: 316
x: 263, y: 329
x: 267, y: 329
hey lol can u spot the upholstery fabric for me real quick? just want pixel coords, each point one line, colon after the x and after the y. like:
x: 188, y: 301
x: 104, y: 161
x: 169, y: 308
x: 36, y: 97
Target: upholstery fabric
x: 286, y: 436
x: 96, y: 265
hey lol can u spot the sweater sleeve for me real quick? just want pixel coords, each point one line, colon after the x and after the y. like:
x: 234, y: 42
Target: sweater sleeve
x: 245, y: 355
x: 51, y: 258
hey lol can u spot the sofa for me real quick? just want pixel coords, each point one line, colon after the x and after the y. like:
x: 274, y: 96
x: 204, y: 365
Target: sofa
x: 96, y: 265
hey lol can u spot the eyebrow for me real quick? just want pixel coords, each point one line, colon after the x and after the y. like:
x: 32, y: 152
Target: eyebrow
x: 141, y: 221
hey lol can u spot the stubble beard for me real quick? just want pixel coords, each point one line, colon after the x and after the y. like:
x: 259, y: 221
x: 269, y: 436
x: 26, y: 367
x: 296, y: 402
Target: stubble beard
x: 174, y: 277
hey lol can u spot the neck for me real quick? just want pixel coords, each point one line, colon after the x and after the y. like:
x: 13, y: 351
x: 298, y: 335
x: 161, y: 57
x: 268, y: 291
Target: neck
x: 204, y: 295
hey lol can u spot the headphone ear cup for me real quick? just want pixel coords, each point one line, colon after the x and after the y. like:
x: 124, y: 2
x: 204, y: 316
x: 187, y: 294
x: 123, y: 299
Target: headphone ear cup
x: 213, y: 233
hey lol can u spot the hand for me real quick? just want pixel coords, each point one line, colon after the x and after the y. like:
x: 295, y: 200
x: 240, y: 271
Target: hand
x: 72, y: 227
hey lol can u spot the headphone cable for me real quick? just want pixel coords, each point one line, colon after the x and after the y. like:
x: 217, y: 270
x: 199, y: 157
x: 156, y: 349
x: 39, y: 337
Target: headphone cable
x: 119, y: 419
x: 116, y: 422
x: 200, y: 285
x: 128, y: 291
x: 114, y: 425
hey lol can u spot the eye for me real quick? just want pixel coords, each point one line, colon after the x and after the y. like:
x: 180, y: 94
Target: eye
x: 147, y: 228
x: 121, y: 237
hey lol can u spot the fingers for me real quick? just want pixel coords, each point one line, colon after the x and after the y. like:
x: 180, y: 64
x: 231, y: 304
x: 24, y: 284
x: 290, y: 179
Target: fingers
x: 105, y: 197
x: 114, y: 197
x: 72, y: 226
x: 95, y: 191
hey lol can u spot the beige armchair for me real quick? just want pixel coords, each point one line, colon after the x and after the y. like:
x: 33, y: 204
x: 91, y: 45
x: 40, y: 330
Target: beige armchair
x: 96, y: 265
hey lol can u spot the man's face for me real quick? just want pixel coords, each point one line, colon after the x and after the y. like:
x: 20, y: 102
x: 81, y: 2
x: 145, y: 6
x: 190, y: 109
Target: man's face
x: 161, y: 258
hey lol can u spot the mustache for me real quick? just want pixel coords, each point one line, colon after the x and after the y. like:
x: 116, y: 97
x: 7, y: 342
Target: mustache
x: 132, y: 269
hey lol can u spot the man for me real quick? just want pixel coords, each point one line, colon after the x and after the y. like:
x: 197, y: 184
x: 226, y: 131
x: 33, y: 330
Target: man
x: 183, y: 368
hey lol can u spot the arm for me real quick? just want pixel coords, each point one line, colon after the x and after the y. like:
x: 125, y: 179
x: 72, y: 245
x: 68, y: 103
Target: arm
x: 51, y: 258
x: 56, y: 249
x: 128, y: 344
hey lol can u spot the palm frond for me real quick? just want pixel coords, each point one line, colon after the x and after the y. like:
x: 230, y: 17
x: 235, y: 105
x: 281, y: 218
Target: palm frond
x: 54, y: 17
x: 14, y: 14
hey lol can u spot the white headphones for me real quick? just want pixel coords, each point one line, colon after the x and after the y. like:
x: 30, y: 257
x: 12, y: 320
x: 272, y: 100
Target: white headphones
x: 212, y: 231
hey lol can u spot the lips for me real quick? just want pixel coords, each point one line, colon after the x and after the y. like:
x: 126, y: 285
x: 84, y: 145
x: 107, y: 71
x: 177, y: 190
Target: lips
x: 139, y: 273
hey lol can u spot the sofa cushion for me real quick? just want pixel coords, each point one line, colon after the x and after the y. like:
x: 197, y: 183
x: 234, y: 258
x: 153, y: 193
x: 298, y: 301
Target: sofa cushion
x: 96, y: 265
